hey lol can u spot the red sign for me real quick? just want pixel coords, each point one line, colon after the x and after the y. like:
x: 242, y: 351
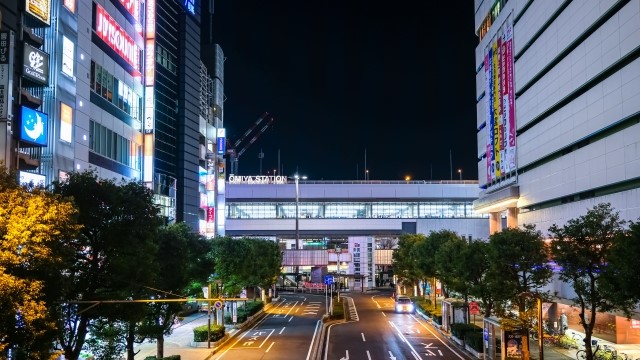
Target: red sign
x: 211, y: 214
x: 474, y: 308
x: 133, y: 7
x: 109, y: 31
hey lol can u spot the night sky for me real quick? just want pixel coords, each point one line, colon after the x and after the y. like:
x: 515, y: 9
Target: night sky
x: 394, y: 81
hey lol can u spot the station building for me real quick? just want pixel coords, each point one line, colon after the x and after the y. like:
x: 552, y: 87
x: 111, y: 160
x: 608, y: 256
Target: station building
x: 347, y: 228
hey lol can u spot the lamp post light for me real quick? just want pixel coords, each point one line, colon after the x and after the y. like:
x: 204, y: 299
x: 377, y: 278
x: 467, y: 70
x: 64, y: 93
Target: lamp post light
x: 460, y: 172
x: 296, y: 177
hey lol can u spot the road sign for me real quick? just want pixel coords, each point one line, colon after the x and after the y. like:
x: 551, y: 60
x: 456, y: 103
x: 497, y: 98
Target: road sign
x: 474, y: 308
x: 218, y: 304
x: 328, y: 279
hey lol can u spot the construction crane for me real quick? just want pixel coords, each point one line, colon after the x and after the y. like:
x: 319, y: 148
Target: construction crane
x: 236, y: 151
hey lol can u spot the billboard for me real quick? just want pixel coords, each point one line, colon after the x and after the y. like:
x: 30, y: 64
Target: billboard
x: 500, y: 123
x: 35, y: 179
x: 68, y: 56
x: 35, y: 64
x: 34, y: 126
x: 114, y: 35
x: 6, y: 74
x: 39, y: 9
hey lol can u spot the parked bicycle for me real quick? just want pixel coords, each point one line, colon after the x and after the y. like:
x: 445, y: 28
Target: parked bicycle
x: 603, y: 352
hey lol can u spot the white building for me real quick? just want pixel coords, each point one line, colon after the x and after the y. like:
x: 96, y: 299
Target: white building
x: 558, y: 99
x: 347, y: 227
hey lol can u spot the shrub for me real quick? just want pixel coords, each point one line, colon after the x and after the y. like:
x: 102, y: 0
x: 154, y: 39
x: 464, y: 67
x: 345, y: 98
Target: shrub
x: 474, y: 340
x: 200, y: 333
x: 459, y: 330
x: 338, y: 310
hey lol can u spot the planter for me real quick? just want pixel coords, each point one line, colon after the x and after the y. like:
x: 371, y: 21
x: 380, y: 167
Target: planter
x: 473, y: 352
x: 457, y: 341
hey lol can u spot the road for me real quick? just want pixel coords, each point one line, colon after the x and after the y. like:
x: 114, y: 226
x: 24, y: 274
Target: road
x: 287, y: 332
x: 375, y: 331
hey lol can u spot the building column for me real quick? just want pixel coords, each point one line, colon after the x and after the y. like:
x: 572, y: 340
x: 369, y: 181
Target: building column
x: 512, y: 217
x: 495, y: 222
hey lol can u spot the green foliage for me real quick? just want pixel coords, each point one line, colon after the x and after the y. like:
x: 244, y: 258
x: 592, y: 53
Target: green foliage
x: 620, y: 281
x: 170, y: 357
x: 474, y: 340
x: 460, y: 330
x: 337, y: 311
x: 519, y: 264
x: 33, y: 226
x: 200, y: 333
x: 245, y: 310
x: 583, y: 248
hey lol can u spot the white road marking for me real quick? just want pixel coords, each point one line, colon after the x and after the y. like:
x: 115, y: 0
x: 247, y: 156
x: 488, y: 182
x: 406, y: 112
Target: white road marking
x: 363, y: 339
x: 270, y: 346
x: 281, y: 331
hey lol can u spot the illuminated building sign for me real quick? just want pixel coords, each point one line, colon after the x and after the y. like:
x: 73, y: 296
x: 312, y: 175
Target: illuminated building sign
x: 221, y: 143
x: 36, y: 179
x: 66, y: 122
x: 70, y: 5
x: 35, y: 65
x: 40, y: 9
x: 34, y: 126
x: 149, y: 62
x: 132, y: 7
x: 259, y: 179
x: 150, y: 22
x: 68, y: 56
x: 6, y: 74
x: 149, y: 116
x: 190, y: 6
x: 111, y: 33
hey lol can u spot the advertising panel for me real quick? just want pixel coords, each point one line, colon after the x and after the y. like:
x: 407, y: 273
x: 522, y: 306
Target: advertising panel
x: 211, y: 214
x: 132, y: 7
x: 149, y: 62
x: 35, y: 64
x: 500, y: 105
x: 68, y: 56
x: 33, y: 126
x: 39, y: 9
x: 6, y: 74
x: 70, y: 5
x: 113, y: 35
x: 221, y: 141
x: 66, y: 122
x: 36, y: 179
x: 149, y: 115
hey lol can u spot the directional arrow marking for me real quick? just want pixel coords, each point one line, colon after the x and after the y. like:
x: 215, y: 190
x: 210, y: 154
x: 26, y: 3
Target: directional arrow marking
x: 391, y: 355
x: 429, y: 346
x: 346, y: 357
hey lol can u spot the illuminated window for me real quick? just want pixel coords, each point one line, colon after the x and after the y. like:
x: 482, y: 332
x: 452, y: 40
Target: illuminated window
x: 68, y: 56
x: 109, y: 144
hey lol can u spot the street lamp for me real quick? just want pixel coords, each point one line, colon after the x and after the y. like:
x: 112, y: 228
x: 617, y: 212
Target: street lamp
x: 460, y: 172
x: 296, y: 177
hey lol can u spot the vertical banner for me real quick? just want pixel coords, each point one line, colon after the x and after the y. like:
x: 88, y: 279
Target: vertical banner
x: 513, y: 344
x: 6, y: 74
x: 510, y: 102
x: 489, y: 113
x: 495, y: 66
x: 500, y: 120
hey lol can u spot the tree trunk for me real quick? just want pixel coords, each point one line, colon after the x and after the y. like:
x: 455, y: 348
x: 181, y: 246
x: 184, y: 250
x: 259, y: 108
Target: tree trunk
x: 71, y: 352
x: 160, y: 347
x: 131, y: 334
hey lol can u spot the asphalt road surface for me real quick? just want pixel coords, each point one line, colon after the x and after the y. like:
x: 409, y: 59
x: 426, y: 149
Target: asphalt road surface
x: 374, y: 331
x: 286, y: 332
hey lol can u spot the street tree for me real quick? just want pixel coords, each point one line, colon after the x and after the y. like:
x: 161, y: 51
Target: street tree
x: 113, y: 258
x: 265, y: 261
x: 33, y: 223
x: 463, y: 268
x: 519, y: 267
x: 404, y: 259
x: 178, y: 249
x: 622, y: 277
x: 425, y: 252
x: 582, y: 248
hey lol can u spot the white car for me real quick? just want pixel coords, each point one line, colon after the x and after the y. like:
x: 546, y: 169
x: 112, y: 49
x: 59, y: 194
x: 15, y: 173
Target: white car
x: 404, y: 305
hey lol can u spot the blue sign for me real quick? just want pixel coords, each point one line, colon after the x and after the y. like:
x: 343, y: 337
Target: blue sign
x: 34, y: 126
x: 328, y: 279
x: 221, y: 145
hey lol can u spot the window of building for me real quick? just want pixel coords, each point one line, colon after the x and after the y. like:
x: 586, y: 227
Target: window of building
x: 106, y: 85
x: 111, y: 145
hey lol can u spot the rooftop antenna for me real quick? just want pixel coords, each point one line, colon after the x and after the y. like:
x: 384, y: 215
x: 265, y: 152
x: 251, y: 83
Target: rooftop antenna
x: 450, y: 164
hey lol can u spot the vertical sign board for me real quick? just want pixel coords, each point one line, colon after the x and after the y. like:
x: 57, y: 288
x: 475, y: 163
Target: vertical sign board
x: 39, y: 9
x: 6, y: 74
x: 34, y: 126
x: 35, y: 64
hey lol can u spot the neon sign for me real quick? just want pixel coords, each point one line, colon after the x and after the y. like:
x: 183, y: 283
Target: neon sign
x: 109, y: 31
x: 132, y: 7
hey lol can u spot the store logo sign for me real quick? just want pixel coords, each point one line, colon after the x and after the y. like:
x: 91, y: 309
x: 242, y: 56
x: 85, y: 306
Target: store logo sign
x: 108, y: 30
x: 36, y: 65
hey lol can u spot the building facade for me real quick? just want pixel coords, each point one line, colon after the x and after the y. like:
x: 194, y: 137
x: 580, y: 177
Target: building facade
x: 558, y: 99
x: 109, y: 85
x: 347, y: 228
